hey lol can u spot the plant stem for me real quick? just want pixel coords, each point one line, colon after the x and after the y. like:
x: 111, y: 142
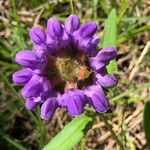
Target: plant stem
x: 132, y: 33
x: 95, y: 3
x: 13, y: 142
x: 82, y: 144
x: 42, y: 130
x: 5, y: 80
x: 71, y: 6
x: 104, y: 118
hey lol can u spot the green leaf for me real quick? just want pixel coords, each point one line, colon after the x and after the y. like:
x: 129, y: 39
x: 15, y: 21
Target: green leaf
x: 132, y: 33
x: 110, y: 30
x: 124, y: 6
x: 109, y: 37
x: 112, y: 67
x: 11, y: 141
x: 147, y: 122
x: 71, y: 134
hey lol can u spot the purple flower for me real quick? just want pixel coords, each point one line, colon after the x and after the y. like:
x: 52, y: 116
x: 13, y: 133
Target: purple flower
x: 74, y: 101
x: 48, y: 108
x: 97, y: 98
x: 65, y: 69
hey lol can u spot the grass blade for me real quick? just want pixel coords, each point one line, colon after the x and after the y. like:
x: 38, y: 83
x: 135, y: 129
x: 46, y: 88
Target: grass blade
x: 146, y: 121
x: 95, y: 3
x: 132, y: 33
x: 109, y: 38
x: 11, y: 141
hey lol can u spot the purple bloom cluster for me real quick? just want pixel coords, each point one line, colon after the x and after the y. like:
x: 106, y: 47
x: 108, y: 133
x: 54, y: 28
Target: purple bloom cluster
x: 65, y: 69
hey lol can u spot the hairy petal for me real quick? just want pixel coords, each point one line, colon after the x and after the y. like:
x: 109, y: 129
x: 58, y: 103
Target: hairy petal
x: 22, y: 76
x: 84, y: 39
x: 87, y: 29
x: 57, y: 37
x: 46, y: 89
x: 74, y: 101
x: 30, y: 103
x: 103, y: 57
x: 72, y: 23
x: 54, y: 28
x: 26, y: 58
x: 97, y: 98
x: 33, y: 88
x: 104, y: 79
x: 48, y: 108
x: 37, y: 35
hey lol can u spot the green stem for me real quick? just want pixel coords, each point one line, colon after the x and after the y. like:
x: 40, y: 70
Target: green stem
x: 11, y: 141
x: 19, y: 40
x: 10, y: 66
x: 71, y: 6
x: 82, y: 144
x: 104, y: 118
x: 132, y: 33
x: 38, y: 121
x: 104, y: 6
x: 124, y: 6
x: 19, y: 97
x: 42, y: 130
x: 131, y: 90
x: 95, y: 2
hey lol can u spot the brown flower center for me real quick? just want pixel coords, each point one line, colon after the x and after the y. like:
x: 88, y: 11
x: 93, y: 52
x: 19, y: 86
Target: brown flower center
x: 66, y: 73
x: 67, y: 68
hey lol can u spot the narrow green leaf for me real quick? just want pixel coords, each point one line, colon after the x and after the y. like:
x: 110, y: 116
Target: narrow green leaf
x: 71, y: 134
x: 128, y: 92
x: 124, y: 6
x: 11, y: 141
x: 132, y: 33
x: 147, y: 122
x: 110, y: 30
x: 105, y: 6
x: 71, y: 6
x: 109, y: 37
x: 21, y: 101
x: 95, y: 3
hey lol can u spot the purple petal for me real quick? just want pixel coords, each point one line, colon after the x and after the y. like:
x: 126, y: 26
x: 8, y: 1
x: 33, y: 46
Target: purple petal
x: 51, y: 42
x: 48, y: 108
x: 87, y: 45
x: 105, y: 80
x: 96, y: 64
x: 93, y: 46
x: 30, y: 104
x: 47, y: 89
x: 55, y: 29
x: 38, y: 99
x: 103, y: 57
x: 65, y: 40
x: 37, y: 35
x: 84, y: 39
x: 33, y: 88
x: 72, y: 23
x: 88, y: 29
x: 106, y: 54
x: 40, y: 48
x: 97, y: 98
x: 22, y: 76
x: 57, y: 37
x: 74, y: 101
x: 26, y: 58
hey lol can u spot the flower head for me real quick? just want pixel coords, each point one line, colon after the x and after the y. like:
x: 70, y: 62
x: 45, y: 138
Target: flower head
x: 64, y: 68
